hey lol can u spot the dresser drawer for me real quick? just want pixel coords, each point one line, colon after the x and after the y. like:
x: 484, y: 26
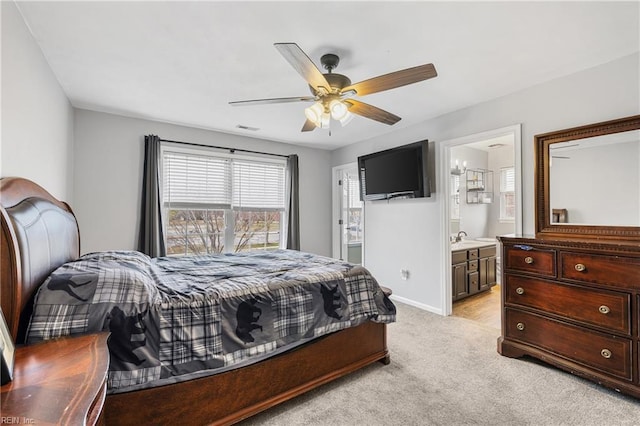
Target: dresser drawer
x: 602, y: 308
x: 599, y: 351
x: 472, y: 254
x: 529, y: 259
x: 606, y: 270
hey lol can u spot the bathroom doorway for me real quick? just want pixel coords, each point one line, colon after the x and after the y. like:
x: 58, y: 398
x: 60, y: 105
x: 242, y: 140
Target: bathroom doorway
x: 482, y: 175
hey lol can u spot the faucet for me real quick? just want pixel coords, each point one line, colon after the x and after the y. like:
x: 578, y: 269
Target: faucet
x: 459, y: 236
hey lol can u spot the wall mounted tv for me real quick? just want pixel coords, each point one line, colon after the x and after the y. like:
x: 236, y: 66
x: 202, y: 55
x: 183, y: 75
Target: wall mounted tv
x: 396, y: 172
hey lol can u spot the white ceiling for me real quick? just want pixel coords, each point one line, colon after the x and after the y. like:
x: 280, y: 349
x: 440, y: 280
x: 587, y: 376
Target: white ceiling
x: 182, y: 62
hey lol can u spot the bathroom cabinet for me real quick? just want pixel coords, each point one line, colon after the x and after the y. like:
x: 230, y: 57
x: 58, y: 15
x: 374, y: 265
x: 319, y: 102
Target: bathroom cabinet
x: 473, y: 270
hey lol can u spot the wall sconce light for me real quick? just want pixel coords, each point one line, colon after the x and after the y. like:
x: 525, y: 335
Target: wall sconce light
x: 457, y: 171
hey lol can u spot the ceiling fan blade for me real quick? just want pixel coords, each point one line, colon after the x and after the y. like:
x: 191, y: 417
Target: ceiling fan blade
x: 273, y: 101
x: 308, y: 126
x: 371, y: 112
x: 303, y: 64
x: 393, y: 80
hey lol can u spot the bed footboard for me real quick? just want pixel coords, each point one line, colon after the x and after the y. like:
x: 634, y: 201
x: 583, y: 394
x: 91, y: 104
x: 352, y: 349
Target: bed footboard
x: 232, y: 396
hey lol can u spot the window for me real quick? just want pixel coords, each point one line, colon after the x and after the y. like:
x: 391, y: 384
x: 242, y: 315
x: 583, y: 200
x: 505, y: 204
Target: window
x: 455, y: 198
x: 507, y: 194
x: 352, y: 207
x: 217, y: 203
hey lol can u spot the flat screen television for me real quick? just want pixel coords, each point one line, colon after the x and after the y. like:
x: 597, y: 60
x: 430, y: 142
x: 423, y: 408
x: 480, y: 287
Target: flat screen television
x: 395, y: 172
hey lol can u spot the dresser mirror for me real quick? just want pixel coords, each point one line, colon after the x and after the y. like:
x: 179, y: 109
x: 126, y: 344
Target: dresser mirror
x: 588, y: 181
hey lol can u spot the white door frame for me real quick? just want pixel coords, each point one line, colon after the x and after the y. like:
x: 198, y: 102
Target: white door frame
x: 445, y: 170
x: 336, y: 215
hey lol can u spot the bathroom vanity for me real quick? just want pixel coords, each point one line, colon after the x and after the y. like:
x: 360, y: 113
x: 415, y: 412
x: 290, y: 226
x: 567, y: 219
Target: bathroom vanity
x: 473, y: 268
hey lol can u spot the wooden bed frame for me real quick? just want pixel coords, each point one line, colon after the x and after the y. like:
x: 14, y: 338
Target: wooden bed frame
x: 29, y: 255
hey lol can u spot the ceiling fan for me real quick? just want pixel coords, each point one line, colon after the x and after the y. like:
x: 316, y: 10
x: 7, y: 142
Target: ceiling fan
x: 332, y: 92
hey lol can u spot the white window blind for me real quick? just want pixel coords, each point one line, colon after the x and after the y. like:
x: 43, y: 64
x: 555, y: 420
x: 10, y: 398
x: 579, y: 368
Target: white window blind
x: 353, y: 190
x: 507, y: 194
x: 258, y: 185
x: 455, y: 197
x: 507, y: 180
x: 196, y: 180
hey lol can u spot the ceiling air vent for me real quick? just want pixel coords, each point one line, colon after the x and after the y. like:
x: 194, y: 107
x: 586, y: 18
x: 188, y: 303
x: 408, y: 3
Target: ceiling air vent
x: 243, y: 127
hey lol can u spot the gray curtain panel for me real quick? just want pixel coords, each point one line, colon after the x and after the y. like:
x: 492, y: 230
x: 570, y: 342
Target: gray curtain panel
x: 151, y: 238
x: 293, y: 222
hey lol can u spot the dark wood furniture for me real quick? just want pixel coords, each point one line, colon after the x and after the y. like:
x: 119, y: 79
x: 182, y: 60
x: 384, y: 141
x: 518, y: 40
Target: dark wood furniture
x: 28, y: 256
x: 589, y: 135
x: 61, y: 381
x: 571, y: 294
x: 473, y: 270
x: 574, y: 304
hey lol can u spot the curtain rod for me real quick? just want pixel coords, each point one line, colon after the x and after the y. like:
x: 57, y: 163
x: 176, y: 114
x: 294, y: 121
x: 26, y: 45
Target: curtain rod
x: 231, y: 150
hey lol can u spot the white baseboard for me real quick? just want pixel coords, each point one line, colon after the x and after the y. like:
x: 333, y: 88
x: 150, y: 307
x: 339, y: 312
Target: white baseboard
x: 415, y: 304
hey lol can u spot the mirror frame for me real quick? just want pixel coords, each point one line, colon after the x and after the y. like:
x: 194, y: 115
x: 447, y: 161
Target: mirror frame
x: 544, y: 227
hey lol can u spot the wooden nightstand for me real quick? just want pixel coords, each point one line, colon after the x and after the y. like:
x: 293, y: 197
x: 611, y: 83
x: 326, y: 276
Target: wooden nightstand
x: 61, y: 381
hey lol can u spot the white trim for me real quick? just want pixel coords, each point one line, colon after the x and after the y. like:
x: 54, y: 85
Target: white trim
x: 335, y: 212
x: 415, y: 304
x: 444, y: 160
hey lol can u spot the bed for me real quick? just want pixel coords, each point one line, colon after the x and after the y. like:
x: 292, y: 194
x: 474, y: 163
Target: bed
x: 40, y: 248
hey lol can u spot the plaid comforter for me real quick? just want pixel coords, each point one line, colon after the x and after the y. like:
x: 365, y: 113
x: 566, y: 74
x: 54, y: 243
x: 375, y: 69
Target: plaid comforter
x: 174, y: 319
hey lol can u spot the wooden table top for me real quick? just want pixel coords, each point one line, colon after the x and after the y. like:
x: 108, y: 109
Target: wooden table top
x: 57, y: 381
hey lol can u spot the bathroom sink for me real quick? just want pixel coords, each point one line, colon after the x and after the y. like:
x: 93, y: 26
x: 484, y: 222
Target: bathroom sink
x: 469, y: 244
x: 488, y: 239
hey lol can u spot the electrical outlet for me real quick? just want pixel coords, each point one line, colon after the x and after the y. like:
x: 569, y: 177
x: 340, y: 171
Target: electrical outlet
x: 404, y: 273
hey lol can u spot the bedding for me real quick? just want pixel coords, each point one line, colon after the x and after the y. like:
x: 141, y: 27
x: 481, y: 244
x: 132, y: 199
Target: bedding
x: 177, y: 318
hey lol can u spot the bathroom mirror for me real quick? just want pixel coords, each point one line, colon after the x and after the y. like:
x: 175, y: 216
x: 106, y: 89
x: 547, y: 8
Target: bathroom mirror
x: 588, y: 181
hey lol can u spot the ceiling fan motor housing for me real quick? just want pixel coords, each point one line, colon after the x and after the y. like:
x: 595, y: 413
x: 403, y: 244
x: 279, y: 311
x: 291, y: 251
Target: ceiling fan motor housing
x: 336, y: 81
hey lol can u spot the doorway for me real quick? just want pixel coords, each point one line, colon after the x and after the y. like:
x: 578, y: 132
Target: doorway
x: 348, y: 215
x: 479, y: 215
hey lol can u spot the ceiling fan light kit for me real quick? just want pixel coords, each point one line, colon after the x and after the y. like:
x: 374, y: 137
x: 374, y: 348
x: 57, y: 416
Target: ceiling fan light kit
x: 332, y: 92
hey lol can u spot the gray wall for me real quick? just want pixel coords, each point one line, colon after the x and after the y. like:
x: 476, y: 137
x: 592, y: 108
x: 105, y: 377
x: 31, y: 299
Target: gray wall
x: 408, y: 234
x: 37, y: 118
x: 108, y: 175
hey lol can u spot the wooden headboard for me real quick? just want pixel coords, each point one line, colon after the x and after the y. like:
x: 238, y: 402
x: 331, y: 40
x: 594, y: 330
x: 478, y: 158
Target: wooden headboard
x: 39, y: 233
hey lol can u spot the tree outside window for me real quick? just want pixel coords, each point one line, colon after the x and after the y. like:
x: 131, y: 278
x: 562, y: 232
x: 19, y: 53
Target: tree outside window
x: 219, y: 204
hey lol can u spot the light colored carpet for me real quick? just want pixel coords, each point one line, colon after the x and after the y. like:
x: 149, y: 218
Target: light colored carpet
x: 446, y: 371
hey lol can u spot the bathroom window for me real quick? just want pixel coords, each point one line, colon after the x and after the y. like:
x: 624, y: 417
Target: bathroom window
x: 507, y: 194
x: 455, y: 197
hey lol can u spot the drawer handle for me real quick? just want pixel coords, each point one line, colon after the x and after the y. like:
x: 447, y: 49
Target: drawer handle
x: 520, y: 290
x: 528, y: 260
x: 580, y: 267
x: 520, y: 326
x: 604, y: 309
x: 606, y: 353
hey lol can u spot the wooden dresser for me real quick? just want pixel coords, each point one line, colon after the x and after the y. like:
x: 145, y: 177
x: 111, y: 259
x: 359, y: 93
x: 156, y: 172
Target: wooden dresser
x: 61, y: 381
x: 574, y: 304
